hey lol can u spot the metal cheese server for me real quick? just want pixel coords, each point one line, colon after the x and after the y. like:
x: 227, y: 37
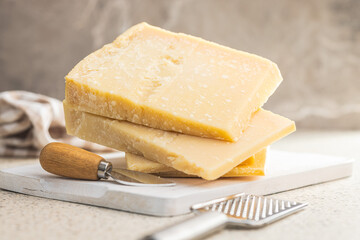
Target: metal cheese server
x: 240, y: 210
x: 73, y: 162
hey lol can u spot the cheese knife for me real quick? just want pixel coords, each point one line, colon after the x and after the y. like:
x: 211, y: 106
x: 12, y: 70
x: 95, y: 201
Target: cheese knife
x: 73, y: 162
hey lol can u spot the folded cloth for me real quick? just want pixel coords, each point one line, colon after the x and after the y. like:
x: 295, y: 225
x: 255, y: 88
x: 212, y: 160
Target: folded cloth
x: 29, y: 121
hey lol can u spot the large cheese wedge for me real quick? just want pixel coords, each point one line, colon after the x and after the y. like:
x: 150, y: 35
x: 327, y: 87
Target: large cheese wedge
x: 253, y: 166
x: 173, y: 82
x: 204, y: 157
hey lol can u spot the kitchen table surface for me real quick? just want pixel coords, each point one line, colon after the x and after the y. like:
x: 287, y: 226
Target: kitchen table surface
x: 333, y: 211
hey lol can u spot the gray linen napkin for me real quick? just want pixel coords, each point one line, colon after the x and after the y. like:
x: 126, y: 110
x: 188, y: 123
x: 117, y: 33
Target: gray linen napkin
x: 29, y: 121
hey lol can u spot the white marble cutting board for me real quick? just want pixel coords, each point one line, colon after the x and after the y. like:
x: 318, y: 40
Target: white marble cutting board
x: 285, y: 171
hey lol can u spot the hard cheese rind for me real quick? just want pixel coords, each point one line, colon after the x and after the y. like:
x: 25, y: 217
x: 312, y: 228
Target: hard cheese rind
x: 253, y: 166
x: 204, y: 157
x: 174, y: 82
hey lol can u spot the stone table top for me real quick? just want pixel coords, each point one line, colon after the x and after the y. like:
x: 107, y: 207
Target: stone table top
x: 333, y: 211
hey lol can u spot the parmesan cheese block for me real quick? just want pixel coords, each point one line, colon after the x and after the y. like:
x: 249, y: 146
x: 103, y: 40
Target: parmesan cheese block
x: 204, y: 157
x: 253, y: 166
x: 173, y: 82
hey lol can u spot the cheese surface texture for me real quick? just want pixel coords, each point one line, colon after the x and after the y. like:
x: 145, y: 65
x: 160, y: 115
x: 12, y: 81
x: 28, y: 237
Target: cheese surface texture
x: 173, y: 82
x: 253, y: 166
x: 204, y: 157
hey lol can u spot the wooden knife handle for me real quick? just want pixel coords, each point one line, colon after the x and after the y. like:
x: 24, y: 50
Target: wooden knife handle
x: 69, y: 161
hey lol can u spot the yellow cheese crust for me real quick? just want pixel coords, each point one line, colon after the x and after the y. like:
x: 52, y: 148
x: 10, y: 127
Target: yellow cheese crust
x: 253, y: 166
x: 203, y: 157
x: 173, y: 82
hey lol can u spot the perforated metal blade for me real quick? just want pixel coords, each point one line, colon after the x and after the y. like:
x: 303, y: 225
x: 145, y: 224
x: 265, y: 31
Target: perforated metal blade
x: 250, y: 211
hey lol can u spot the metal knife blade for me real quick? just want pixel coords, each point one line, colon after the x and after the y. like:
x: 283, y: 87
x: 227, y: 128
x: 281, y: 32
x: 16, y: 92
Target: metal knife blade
x: 133, y: 178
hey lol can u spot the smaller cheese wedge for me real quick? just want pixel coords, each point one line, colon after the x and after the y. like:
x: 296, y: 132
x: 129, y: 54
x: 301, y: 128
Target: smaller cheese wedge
x: 253, y: 166
x: 203, y: 157
x: 174, y: 82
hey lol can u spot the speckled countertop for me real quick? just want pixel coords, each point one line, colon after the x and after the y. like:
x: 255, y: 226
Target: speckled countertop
x: 333, y: 212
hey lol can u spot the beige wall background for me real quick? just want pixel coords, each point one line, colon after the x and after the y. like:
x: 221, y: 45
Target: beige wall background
x: 315, y: 43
